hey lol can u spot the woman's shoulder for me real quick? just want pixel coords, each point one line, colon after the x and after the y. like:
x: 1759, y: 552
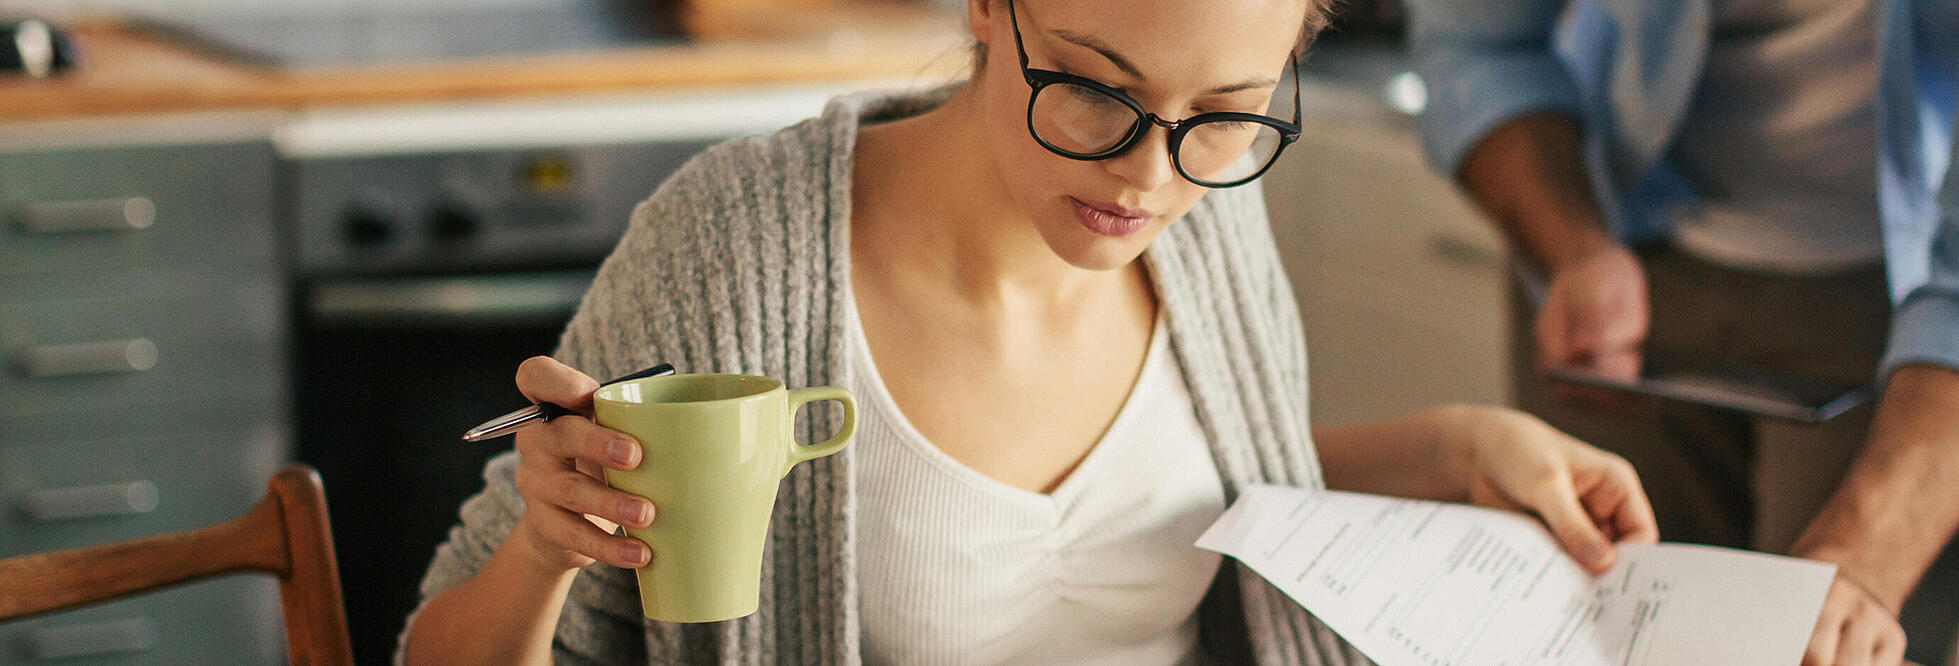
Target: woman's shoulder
x: 813, y: 153
x: 746, y: 188
x: 789, y: 184
x: 748, y: 167
x: 739, y: 229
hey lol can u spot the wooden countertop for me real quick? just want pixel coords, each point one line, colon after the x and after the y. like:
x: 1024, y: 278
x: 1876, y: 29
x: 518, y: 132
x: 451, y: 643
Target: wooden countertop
x: 128, y: 71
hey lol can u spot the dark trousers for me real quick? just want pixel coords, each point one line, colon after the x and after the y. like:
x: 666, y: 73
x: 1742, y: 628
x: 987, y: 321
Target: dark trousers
x: 1728, y: 479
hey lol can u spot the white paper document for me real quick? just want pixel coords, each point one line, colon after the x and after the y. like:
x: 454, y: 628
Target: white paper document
x: 1414, y: 583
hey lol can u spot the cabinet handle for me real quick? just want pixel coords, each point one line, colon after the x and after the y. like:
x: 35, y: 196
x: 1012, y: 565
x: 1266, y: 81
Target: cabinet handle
x: 463, y: 301
x: 109, y: 499
x: 119, y: 214
x: 87, y: 358
x: 98, y: 638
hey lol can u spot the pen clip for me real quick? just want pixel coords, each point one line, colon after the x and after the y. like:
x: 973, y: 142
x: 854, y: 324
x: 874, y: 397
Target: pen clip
x: 550, y: 410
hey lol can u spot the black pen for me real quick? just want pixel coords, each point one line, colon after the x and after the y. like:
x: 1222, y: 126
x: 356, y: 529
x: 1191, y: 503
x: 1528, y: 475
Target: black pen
x: 544, y: 411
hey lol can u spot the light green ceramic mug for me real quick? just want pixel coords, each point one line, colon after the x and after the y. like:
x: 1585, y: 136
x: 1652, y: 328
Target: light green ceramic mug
x: 716, y: 448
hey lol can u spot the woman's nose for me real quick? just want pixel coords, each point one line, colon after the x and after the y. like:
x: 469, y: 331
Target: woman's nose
x: 1145, y: 166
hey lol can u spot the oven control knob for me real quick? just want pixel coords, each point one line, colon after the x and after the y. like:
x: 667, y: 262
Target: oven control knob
x: 451, y: 222
x: 366, y: 226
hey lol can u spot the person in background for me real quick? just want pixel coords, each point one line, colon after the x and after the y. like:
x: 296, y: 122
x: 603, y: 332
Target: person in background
x: 1073, y: 344
x: 1754, y: 183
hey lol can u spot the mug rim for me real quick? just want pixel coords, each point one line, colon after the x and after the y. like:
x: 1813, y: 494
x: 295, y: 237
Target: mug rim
x: 771, y: 385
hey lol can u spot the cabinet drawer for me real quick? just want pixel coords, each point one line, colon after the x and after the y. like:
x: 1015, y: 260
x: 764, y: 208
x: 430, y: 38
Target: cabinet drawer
x: 96, y: 344
x: 85, y: 208
x: 228, y: 620
x: 59, y: 496
x: 82, y: 423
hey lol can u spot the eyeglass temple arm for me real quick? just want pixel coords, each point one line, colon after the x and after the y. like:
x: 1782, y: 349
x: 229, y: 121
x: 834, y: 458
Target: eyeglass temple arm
x: 1297, y: 94
x: 1019, y: 47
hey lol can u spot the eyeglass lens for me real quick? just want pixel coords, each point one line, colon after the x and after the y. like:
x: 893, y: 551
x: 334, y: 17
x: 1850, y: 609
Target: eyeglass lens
x: 1086, y: 121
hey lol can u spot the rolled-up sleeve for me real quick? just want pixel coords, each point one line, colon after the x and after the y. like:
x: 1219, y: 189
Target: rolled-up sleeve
x: 1483, y: 63
x: 1925, y: 325
x: 1925, y: 329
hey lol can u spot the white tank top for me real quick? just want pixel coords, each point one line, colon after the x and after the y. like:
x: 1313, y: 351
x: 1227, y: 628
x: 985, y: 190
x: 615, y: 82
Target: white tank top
x: 959, y: 568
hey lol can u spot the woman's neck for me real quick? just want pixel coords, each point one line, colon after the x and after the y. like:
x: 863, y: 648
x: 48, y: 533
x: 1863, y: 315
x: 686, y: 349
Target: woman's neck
x: 933, y: 208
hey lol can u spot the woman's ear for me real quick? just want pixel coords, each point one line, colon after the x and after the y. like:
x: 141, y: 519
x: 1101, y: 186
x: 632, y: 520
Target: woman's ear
x: 979, y: 18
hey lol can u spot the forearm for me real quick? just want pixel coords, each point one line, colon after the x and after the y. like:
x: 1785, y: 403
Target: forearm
x: 1528, y: 175
x: 1899, y: 503
x: 1408, y: 456
x: 507, y: 614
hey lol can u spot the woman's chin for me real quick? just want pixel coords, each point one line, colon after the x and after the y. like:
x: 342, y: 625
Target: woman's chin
x: 1088, y: 251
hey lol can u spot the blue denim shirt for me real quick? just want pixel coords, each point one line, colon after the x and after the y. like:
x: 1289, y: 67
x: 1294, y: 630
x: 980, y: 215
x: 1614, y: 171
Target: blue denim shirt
x: 1627, y: 68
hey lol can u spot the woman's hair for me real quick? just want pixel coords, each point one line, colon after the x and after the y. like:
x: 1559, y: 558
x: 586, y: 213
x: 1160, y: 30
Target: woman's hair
x: 1319, y: 13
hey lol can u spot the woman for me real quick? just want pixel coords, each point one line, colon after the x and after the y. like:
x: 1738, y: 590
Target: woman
x: 1072, y: 342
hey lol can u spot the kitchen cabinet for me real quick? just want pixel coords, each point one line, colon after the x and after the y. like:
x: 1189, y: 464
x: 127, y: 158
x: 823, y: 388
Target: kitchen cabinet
x: 143, y: 329
x: 1400, y: 282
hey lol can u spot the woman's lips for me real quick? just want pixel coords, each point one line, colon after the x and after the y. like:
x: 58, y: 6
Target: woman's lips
x: 1109, y: 219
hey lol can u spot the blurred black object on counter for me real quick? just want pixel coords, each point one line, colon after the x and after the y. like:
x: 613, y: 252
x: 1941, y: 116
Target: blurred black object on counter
x: 34, y: 48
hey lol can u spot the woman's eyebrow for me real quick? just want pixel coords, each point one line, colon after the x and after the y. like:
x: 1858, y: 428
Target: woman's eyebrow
x: 1098, y: 46
x: 1251, y: 84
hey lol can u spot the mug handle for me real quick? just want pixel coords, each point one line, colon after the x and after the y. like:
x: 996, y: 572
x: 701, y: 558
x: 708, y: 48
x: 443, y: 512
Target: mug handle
x: 799, y: 397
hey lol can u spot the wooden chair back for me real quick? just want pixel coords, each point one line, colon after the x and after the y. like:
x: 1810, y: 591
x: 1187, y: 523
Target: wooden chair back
x: 286, y: 535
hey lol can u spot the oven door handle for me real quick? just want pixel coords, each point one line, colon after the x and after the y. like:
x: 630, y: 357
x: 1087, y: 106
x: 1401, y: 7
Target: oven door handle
x: 476, y: 300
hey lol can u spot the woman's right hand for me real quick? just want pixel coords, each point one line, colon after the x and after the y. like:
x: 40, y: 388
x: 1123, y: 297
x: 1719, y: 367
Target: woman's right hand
x: 570, y: 512
x: 508, y: 611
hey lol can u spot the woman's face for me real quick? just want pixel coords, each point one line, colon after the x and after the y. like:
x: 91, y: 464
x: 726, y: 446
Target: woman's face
x: 1172, y: 56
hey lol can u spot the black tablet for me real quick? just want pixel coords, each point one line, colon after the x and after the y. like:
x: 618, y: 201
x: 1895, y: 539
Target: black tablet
x: 1741, y: 391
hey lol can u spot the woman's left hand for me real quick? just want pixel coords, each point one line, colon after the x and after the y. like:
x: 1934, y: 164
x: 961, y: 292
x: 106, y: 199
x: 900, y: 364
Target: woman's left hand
x: 1588, y: 497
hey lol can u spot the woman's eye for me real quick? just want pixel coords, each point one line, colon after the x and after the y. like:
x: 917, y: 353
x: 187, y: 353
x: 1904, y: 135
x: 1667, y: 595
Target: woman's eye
x: 1089, y: 95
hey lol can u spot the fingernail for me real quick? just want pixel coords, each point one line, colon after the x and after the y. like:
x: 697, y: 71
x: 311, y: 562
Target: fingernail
x: 634, y: 554
x: 635, y: 511
x: 1596, y: 553
x: 621, y: 452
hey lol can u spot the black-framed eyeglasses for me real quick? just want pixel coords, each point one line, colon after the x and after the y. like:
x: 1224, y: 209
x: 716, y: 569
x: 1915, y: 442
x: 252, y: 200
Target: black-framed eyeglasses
x: 1084, y: 119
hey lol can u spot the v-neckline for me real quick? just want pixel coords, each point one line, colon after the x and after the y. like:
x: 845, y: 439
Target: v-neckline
x: 1157, y: 353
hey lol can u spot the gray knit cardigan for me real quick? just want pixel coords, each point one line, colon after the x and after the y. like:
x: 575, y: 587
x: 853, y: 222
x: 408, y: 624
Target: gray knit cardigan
x: 738, y: 263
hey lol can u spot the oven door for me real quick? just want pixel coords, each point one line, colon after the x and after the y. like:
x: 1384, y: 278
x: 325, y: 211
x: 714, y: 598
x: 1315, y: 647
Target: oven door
x: 391, y: 371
